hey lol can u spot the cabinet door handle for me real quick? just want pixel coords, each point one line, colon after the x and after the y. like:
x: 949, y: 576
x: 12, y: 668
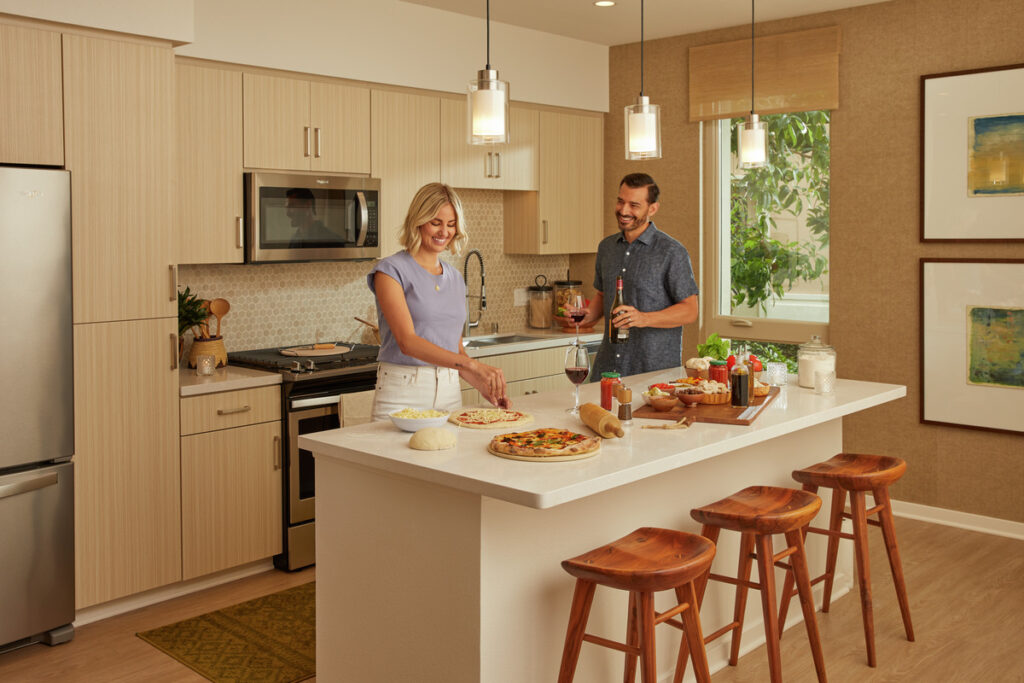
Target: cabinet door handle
x: 306, y: 150
x: 277, y: 452
x: 232, y: 411
x: 174, y: 282
x: 241, y: 234
x: 487, y: 165
x: 545, y: 236
x: 174, y: 351
x: 316, y: 138
x: 497, y: 155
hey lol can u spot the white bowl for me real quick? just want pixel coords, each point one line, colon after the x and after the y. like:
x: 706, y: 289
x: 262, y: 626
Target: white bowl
x: 647, y: 396
x: 414, y: 424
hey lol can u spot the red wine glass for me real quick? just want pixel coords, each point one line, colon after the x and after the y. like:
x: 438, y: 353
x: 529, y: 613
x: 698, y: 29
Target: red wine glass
x: 577, y: 368
x: 576, y: 311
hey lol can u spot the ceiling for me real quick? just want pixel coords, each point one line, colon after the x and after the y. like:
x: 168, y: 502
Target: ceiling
x: 620, y: 24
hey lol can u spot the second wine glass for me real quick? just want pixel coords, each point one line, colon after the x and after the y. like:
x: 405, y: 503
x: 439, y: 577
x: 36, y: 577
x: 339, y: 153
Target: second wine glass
x: 577, y: 368
x: 576, y: 311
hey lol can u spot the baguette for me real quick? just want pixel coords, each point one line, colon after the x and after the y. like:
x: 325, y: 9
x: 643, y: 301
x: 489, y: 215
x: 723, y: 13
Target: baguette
x: 601, y: 421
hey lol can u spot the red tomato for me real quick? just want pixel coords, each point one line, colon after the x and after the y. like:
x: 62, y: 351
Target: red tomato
x: 729, y: 362
x: 755, y: 364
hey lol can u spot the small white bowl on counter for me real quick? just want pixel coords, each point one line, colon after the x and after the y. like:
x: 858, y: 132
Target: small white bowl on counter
x: 414, y: 419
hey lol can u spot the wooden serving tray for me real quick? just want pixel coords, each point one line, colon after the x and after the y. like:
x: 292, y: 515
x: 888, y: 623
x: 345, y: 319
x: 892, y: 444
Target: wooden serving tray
x: 724, y: 413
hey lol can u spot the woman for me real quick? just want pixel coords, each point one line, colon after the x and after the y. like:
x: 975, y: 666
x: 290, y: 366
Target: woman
x: 421, y: 306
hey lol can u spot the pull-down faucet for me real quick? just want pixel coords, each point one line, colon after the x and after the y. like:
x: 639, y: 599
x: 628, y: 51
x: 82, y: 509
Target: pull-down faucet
x: 482, y: 296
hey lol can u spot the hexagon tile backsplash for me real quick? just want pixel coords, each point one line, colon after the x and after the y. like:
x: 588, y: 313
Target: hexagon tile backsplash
x: 300, y: 303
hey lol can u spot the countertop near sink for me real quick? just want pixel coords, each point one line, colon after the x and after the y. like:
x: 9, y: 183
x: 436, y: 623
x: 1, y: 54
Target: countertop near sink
x: 228, y: 378
x: 538, y: 339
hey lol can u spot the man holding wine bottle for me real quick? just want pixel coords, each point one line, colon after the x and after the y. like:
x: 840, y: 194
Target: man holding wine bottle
x: 645, y: 287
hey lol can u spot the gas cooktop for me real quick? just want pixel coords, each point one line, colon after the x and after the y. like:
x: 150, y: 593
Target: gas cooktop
x: 360, y: 358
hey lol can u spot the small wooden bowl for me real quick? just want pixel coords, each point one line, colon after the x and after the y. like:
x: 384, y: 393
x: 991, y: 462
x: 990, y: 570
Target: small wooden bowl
x: 663, y: 403
x: 762, y: 391
x: 690, y: 399
x: 714, y: 399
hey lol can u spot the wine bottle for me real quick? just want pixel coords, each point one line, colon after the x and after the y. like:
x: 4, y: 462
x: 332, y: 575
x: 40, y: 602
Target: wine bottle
x: 617, y: 335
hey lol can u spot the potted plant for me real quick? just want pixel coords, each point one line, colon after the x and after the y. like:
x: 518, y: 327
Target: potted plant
x: 193, y: 313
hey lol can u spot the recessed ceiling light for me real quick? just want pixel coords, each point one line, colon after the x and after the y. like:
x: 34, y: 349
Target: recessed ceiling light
x: 605, y: 3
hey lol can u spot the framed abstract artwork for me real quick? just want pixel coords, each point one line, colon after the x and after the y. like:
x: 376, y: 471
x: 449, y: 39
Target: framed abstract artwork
x: 972, y: 343
x: 972, y: 155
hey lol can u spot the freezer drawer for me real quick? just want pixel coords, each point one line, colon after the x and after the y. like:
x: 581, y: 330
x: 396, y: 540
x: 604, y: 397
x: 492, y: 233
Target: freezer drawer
x: 37, y: 534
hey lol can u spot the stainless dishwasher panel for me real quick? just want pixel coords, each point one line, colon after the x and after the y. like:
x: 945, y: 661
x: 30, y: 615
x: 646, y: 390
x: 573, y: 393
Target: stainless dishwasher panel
x: 37, y: 534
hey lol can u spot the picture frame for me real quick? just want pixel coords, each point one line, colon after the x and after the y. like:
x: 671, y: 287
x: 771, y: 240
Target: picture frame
x: 972, y: 343
x: 972, y: 155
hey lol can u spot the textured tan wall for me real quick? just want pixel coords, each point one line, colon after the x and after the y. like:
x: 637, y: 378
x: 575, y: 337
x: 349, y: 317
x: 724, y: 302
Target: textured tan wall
x: 875, y: 291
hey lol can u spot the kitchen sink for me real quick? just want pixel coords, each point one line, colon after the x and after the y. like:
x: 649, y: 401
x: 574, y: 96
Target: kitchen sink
x: 494, y: 341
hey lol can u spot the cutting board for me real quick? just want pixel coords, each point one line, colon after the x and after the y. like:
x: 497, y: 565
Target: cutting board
x: 725, y: 413
x: 310, y: 351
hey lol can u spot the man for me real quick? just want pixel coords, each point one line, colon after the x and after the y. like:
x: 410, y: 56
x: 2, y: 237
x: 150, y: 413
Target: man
x: 300, y: 207
x: 658, y: 286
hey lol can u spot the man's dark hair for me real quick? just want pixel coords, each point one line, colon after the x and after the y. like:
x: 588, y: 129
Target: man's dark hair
x: 302, y: 193
x: 636, y: 180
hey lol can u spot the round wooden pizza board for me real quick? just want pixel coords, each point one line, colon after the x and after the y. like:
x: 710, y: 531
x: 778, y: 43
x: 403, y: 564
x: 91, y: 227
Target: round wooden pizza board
x: 546, y: 458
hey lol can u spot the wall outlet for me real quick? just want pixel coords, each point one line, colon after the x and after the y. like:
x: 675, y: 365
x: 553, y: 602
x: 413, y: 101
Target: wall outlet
x: 519, y: 297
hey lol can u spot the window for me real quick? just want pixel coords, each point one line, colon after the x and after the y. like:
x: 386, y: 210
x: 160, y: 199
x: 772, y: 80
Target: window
x: 767, y: 231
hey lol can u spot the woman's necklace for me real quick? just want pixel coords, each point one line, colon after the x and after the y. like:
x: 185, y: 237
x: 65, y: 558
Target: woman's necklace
x: 437, y: 282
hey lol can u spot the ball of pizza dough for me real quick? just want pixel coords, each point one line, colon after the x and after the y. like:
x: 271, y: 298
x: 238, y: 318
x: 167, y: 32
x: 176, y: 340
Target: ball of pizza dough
x: 432, y: 439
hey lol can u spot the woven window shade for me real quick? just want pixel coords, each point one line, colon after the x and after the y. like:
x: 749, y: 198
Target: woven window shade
x: 794, y: 72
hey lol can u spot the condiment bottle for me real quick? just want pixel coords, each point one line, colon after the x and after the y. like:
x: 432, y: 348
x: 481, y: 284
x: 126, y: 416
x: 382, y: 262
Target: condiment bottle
x: 625, y: 399
x: 812, y: 357
x: 718, y: 372
x: 739, y: 380
x: 608, y: 382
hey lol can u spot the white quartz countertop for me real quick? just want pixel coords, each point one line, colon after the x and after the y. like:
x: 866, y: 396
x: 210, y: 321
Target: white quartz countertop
x: 642, y: 453
x: 229, y: 378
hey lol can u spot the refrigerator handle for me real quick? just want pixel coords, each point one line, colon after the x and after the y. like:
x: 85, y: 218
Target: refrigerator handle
x: 174, y: 351
x: 174, y: 282
x: 8, y: 490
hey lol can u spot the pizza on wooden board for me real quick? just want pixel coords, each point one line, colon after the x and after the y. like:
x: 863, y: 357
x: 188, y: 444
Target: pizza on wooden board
x: 490, y: 418
x: 545, y: 443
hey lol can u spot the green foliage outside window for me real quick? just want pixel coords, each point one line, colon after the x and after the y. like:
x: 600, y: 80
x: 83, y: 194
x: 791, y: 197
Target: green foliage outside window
x: 796, y: 178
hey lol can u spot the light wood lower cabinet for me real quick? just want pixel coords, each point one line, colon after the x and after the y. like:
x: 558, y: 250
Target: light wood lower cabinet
x: 526, y: 372
x: 127, y: 492
x: 31, y: 111
x: 230, y: 498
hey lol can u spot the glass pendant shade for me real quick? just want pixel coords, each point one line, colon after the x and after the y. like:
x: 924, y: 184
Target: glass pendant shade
x: 753, y: 143
x: 643, y: 130
x: 487, y: 109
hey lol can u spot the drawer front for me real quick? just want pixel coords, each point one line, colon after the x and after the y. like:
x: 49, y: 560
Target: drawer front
x: 230, y: 409
x: 527, y: 364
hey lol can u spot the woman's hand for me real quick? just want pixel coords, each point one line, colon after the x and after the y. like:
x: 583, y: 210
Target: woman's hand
x: 488, y: 380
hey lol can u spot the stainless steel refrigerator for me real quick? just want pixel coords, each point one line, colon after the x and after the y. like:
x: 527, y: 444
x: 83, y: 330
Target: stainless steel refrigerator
x: 37, y: 529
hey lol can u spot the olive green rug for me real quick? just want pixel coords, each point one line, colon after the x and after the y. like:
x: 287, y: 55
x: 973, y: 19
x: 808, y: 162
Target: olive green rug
x: 267, y: 640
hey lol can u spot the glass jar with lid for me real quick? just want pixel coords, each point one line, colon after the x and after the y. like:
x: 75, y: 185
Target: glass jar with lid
x: 565, y: 290
x: 812, y: 357
x: 538, y: 304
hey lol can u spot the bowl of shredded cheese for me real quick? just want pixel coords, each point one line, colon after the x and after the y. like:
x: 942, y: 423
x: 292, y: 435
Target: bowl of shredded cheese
x: 414, y: 419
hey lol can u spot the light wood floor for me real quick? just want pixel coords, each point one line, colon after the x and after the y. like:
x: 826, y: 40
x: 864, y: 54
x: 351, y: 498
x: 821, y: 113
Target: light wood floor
x: 966, y: 598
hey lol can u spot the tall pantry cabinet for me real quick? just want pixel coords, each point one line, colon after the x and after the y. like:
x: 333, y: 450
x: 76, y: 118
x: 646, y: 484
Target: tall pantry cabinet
x: 119, y: 136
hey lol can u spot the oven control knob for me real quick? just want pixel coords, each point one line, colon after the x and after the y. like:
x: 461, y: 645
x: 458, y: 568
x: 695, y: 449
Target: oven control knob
x: 310, y: 365
x: 296, y: 366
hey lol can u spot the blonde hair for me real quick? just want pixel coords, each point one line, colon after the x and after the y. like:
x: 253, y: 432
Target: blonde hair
x: 425, y: 206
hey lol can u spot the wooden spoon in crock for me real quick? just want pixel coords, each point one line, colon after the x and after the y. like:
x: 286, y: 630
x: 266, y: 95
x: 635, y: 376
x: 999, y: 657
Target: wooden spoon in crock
x: 219, y: 308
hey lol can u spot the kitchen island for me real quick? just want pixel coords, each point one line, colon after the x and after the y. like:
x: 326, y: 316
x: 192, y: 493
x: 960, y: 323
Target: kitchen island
x: 445, y: 565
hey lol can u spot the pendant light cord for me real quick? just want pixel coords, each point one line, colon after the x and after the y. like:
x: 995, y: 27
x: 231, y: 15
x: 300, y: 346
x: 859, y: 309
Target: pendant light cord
x: 489, y: 34
x: 751, y: 57
x: 641, y: 47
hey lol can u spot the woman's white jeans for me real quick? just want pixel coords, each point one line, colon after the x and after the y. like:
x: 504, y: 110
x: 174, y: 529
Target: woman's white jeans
x: 415, y: 386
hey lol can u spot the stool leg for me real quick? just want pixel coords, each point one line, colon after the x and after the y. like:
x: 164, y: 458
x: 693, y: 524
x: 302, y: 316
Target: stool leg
x: 860, y: 548
x: 711, y: 533
x: 835, y: 525
x: 788, y: 588
x: 798, y: 561
x: 632, y: 639
x: 740, y: 607
x: 766, y: 573
x: 582, y: 598
x: 693, y: 637
x: 648, y: 661
x: 891, y: 547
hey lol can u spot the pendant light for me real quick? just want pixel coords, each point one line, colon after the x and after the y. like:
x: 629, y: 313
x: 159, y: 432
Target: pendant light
x: 753, y: 142
x: 487, y: 101
x: 643, y: 119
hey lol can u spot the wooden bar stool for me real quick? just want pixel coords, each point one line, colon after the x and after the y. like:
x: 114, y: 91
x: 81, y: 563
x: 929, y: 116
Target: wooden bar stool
x: 857, y: 474
x: 758, y: 512
x: 644, y: 562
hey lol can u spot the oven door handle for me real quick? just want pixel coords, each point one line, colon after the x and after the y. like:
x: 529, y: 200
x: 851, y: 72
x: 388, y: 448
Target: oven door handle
x: 300, y: 403
x: 364, y: 219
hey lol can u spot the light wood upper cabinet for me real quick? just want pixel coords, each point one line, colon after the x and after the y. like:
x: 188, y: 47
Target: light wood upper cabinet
x: 295, y: 124
x: 564, y: 215
x: 230, y: 498
x: 119, y: 132
x: 209, y: 165
x: 406, y: 155
x: 31, y: 113
x: 511, y: 166
x: 127, y: 494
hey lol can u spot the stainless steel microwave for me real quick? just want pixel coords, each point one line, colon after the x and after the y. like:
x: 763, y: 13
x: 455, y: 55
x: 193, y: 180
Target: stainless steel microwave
x: 308, y: 217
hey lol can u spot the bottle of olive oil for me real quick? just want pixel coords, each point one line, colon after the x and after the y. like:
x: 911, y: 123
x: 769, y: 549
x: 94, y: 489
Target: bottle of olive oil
x: 617, y: 335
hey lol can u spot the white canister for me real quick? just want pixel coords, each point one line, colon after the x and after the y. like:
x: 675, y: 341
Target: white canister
x: 813, y: 357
